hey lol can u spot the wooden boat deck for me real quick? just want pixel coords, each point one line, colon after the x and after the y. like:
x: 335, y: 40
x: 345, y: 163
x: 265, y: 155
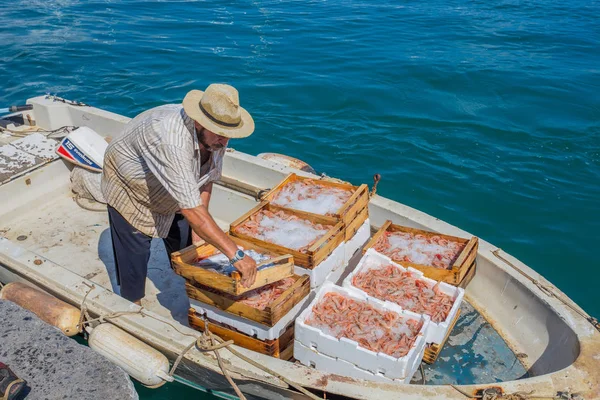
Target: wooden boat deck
x: 79, y: 240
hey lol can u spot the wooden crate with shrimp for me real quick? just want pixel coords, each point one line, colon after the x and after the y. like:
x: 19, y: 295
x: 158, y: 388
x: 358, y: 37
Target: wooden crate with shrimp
x: 440, y: 257
x: 266, y: 305
x: 343, y: 201
x: 281, y: 347
x: 203, y: 264
x: 309, y: 238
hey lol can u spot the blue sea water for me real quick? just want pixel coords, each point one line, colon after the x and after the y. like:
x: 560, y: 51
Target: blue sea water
x: 483, y: 113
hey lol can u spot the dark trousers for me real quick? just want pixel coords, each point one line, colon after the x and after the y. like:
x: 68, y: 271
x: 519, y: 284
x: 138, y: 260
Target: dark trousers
x: 132, y: 251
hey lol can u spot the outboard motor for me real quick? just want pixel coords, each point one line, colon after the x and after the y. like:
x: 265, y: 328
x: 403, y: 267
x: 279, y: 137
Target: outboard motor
x: 85, y: 148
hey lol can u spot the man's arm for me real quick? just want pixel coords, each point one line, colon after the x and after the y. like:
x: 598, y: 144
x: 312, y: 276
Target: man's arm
x: 205, y: 226
x: 205, y: 193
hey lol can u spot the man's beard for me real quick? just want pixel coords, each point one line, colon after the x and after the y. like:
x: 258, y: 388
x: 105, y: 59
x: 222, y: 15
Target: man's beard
x: 214, y: 147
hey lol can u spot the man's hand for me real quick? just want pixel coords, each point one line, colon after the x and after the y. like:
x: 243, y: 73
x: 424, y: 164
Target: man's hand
x: 205, y: 226
x: 247, y: 267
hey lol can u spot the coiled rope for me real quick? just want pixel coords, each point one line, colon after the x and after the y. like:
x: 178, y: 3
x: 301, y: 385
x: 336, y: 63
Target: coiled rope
x: 101, y: 207
x: 207, y: 342
x: 57, y: 134
x: 75, y: 103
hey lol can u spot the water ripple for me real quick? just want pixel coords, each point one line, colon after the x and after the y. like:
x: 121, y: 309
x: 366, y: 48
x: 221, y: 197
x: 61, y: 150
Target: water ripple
x: 481, y: 113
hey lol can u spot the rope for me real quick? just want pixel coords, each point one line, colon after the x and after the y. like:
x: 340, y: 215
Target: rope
x: 58, y: 133
x: 69, y: 102
x: 268, y: 370
x: 549, y: 292
x: 205, y: 343
x: 78, y: 198
x: 422, y: 374
x: 261, y: 193
x: 496, y: 394
x: 221, y: 363
x: 376, y: 179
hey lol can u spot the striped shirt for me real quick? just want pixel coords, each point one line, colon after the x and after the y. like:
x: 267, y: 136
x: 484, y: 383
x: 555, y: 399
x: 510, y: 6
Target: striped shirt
x: 154, y: 169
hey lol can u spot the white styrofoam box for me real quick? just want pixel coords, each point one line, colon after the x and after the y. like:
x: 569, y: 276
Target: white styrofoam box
x: 319, y: 273
x: 358, y: 240
x: 335, y: 275
x: 247, y: 326
x: 437, y: 331
x: 349, y: 350
x: 332, y: 365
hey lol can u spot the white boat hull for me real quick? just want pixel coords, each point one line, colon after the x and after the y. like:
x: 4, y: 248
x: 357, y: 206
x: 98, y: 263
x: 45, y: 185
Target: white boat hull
x: 562, y: 349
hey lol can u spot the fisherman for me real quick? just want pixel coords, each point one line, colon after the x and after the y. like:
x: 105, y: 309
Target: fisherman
x: 157, y: 180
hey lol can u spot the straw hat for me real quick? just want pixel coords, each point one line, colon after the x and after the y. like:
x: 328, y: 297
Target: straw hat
x: 218, y: 110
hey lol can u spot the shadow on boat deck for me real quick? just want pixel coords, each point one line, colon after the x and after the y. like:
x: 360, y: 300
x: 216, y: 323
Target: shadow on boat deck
x: 168, y: 296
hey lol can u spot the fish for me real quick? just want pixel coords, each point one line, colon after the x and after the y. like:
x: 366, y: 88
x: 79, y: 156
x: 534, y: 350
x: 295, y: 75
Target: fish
x: 220, y: 263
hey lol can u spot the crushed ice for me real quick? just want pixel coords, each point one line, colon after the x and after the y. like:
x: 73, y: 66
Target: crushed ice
x: 292, y: 234
x: 309, y: 196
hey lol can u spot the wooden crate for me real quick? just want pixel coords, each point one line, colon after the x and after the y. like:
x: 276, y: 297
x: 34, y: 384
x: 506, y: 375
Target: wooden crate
x: 316, y: 253
x: 269, y: 316
x: 469, y: 276
x: 353, y: 213
x: 463, y: 266
x: 432, y: 351
x: 282, y: 347
x: 182, y: 260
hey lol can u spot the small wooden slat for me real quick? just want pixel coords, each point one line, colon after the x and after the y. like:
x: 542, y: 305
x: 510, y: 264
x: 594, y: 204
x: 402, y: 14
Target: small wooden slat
x: 278, y: 348
x: 468, y: 276
x: 355, y: 205
x: 182, y: 263
x: 433, y: 350
x: 462, y: 258
x: 324, y: 245
x: 356, y: 223
x: 287, y: 353
x: 461, y: 267
x: 269, y: 316
x: 468, y: 261
x: 324, y: 251
x: 330, y: 234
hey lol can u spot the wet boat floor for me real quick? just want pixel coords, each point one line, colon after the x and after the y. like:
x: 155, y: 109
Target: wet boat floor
x: 474, y: 353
